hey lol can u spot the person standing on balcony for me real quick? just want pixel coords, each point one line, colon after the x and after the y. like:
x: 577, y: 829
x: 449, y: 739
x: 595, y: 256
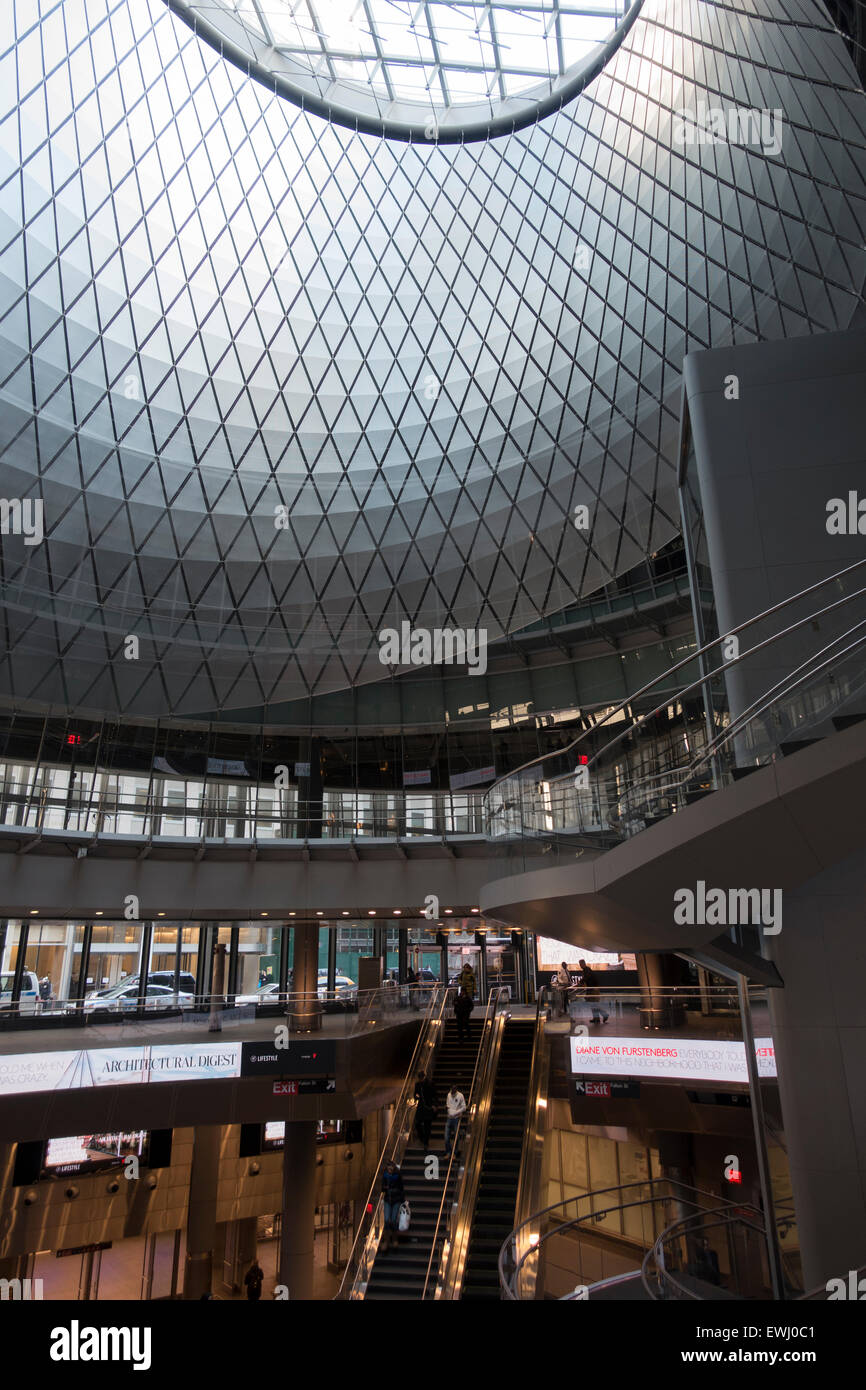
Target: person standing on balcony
x: 562, y: 980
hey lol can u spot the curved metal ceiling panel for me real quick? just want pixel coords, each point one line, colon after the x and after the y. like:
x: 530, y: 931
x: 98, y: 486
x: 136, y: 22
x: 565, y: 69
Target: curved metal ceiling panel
x: 214, y: 305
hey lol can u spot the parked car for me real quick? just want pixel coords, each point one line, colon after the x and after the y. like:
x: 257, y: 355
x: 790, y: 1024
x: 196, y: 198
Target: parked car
x: 156, y: 977
x: 121, y: 1001
x: 344, y: 988
x: 29, y: 991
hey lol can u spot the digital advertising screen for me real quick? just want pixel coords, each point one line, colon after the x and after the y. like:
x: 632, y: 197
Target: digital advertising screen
x: 85, y: 1153
x: 550, y: 954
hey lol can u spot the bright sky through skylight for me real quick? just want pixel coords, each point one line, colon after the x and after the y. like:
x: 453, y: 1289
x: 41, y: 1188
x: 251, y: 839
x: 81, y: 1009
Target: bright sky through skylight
x: 438, y: 53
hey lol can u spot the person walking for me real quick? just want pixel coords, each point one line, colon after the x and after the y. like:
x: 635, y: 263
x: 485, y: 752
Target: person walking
x: 592, y: 994
x: 562, y: 980
x: 455, y: 1105
x: 394, y: 1195
x: 466, y: 980
x: 463, y: 1006
x: 412, y: 982
x: 253, y: 1279
x: 425, y: 1095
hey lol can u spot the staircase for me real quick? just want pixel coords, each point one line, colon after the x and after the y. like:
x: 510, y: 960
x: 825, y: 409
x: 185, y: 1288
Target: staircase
x: 500, y: 1167
x: 400, y: 1273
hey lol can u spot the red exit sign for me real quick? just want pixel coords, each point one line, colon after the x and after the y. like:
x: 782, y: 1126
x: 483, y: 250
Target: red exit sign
x: 597, y: 1088
x: 285, y: 1088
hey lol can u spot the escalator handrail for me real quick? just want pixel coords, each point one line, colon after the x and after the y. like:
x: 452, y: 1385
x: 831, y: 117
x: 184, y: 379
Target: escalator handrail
x: 481, y: 1089
x: 432, y: 1022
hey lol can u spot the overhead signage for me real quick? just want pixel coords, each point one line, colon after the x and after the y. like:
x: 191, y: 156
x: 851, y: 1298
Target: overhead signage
x: 417, y: 779
x: 707, y: 1059
x: 606, y: 1090
x: 264, y: 1059
x: 302, y: 769
x: 311, y: 1085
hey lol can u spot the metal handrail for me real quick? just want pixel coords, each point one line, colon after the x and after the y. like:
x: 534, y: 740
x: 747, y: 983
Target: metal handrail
x: 692, y: 656
x: 452, y: 1263
x: 530, y: 1156
x: 509, y: 1245
x: 673, y: 778
x: 365, y: 1245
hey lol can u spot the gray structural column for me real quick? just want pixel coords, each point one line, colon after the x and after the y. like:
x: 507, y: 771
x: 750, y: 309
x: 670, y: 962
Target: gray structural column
x: 819, y: 1032
x: 201, y: 1215
x: 299, y: 1202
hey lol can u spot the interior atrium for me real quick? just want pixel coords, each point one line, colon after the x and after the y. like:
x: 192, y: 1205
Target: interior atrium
x: 433, y: 660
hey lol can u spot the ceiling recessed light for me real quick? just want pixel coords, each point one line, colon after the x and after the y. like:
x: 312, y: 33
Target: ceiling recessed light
x: 33, y: 911
x: 97, y: 914
x: 264, y: 914
x: 320, y: 914
x: 447, y: 910
x: 372, y: 912
x: 291, y: 914
x: 475, y: 909
x: 398, y: 912
x: 346, y: 914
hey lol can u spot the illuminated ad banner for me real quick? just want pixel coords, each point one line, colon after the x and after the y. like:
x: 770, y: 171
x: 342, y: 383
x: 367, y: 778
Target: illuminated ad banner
x: 117, y: 1066
x: 551, y: 953
x: 697, y: 1059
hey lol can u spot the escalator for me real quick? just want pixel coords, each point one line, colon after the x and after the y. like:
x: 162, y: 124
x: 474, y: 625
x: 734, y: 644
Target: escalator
x: 400, y: 1274
x: 494, y: 1215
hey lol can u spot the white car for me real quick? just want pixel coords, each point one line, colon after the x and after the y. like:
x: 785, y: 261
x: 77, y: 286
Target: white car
x: 29, y: 991
x: 156, y: 997
x: 344, y: 988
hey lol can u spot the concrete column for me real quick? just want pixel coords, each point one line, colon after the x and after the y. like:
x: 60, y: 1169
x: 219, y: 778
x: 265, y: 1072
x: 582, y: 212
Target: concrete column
x: 201, y: 1215
x: 299, y: 1202
x: 305, y: 1016
x: 657, y: 973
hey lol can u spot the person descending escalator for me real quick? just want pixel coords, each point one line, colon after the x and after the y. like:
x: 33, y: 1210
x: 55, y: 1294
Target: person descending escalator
x: 425, y: 1095
x: 394, y: 1195
x: 463, y: 1006
x: 455, y: 1104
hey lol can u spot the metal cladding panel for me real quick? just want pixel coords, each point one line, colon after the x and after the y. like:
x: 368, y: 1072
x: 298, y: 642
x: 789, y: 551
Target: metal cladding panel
x: 214, y: 305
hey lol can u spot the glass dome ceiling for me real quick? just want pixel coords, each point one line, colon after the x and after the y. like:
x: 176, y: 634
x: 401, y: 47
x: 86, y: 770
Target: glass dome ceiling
x: 418, y: 69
